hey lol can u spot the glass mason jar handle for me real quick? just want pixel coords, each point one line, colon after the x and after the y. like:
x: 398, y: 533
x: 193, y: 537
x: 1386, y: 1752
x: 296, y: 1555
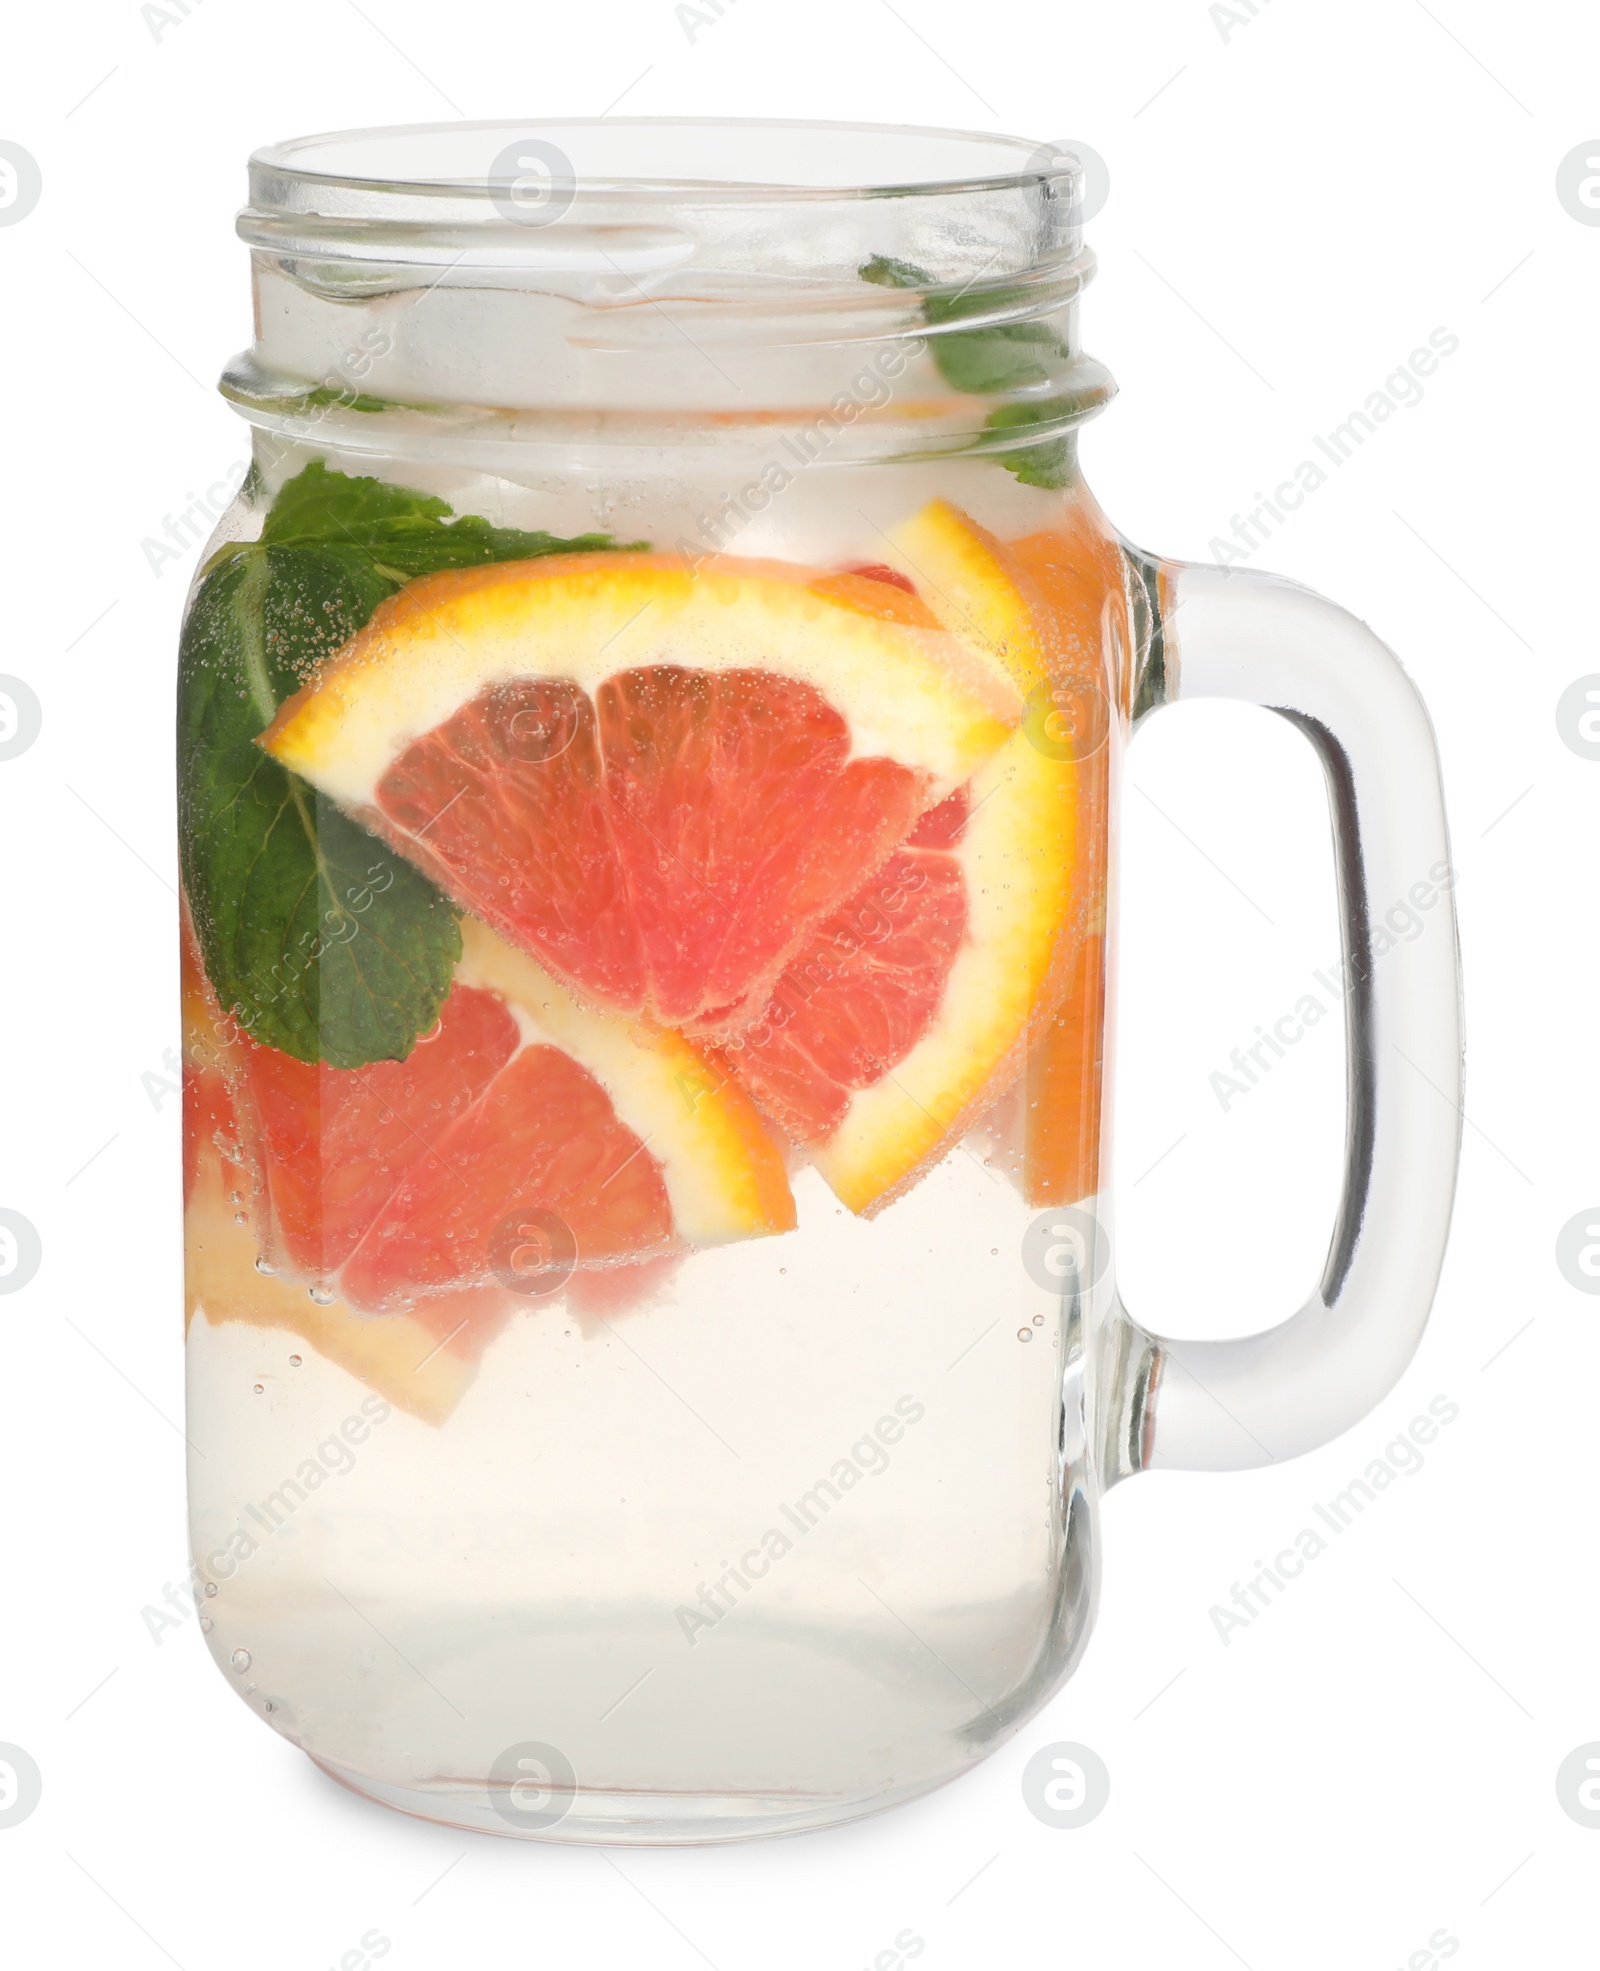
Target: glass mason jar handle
x: 1228, y: 1405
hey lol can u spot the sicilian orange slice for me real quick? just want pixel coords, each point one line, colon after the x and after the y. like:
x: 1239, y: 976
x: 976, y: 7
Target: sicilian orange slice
x: 1076, y: 569
x: 615, y: 1129
x: 653, y: 778
x: 527, y: 1144
x: 330, y: 1146
x: 402, y: 1180
x: 904, y: 1014
x: 974, y: 584
x: 422, y: 1365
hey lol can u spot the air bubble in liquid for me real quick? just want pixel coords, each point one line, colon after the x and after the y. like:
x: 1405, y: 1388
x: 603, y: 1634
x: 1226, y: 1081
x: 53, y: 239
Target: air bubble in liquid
x: 206, y: 1625
x: 241, y: 1218
x: 211, y: 1587
x: 322, y: 1296
x: 260, y: 1388
x: 1038, y: 1320
x: 266, y: 1266
x: 240, y: 1659
x: 294, y: 1361
x: 1024, y: 1334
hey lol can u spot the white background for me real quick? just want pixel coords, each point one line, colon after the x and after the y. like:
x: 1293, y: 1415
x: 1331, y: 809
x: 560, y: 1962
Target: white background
x: 1296, y: 200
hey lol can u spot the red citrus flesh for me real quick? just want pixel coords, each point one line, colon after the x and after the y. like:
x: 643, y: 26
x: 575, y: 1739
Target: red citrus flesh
x: 467, y: 1320
x: 543, y: 1139
x: 333, y: 1143
x: 864, y: 989
x: 880, y: 571
x: 388, y: 1184
x: 666, y: 846
x: 599, y: 1292
x: 207, y: 1118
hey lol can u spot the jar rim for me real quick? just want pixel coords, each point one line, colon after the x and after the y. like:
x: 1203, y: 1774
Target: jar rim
x: 724, y: 159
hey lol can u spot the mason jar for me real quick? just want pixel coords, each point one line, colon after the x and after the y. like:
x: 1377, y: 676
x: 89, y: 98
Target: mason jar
x: 650, y: 730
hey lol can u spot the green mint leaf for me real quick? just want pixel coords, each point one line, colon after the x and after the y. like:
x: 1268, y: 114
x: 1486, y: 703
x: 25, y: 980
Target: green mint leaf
x: 327, y: 396
x: 993, y: 361
x: 981, y: 362
x: 408, y: 533
x: 1047, y: 462
x: 1001, y: 357
x: 417, y: 546
x: 320, y: 504
x: 883, y: 270
x: 320, y: 940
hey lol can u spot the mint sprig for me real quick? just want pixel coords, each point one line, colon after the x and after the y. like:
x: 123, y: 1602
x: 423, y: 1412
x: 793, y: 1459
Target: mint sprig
x: 403, y: 532
x: 317, y: 938
x: 994, y: 360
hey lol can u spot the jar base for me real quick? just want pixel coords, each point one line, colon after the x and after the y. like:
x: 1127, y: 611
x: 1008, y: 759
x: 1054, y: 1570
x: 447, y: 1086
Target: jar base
x: 598, y: 1818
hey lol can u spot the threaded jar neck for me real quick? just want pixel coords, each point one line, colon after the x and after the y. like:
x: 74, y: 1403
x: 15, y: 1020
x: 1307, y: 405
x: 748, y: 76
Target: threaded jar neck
x: 516, y: 283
